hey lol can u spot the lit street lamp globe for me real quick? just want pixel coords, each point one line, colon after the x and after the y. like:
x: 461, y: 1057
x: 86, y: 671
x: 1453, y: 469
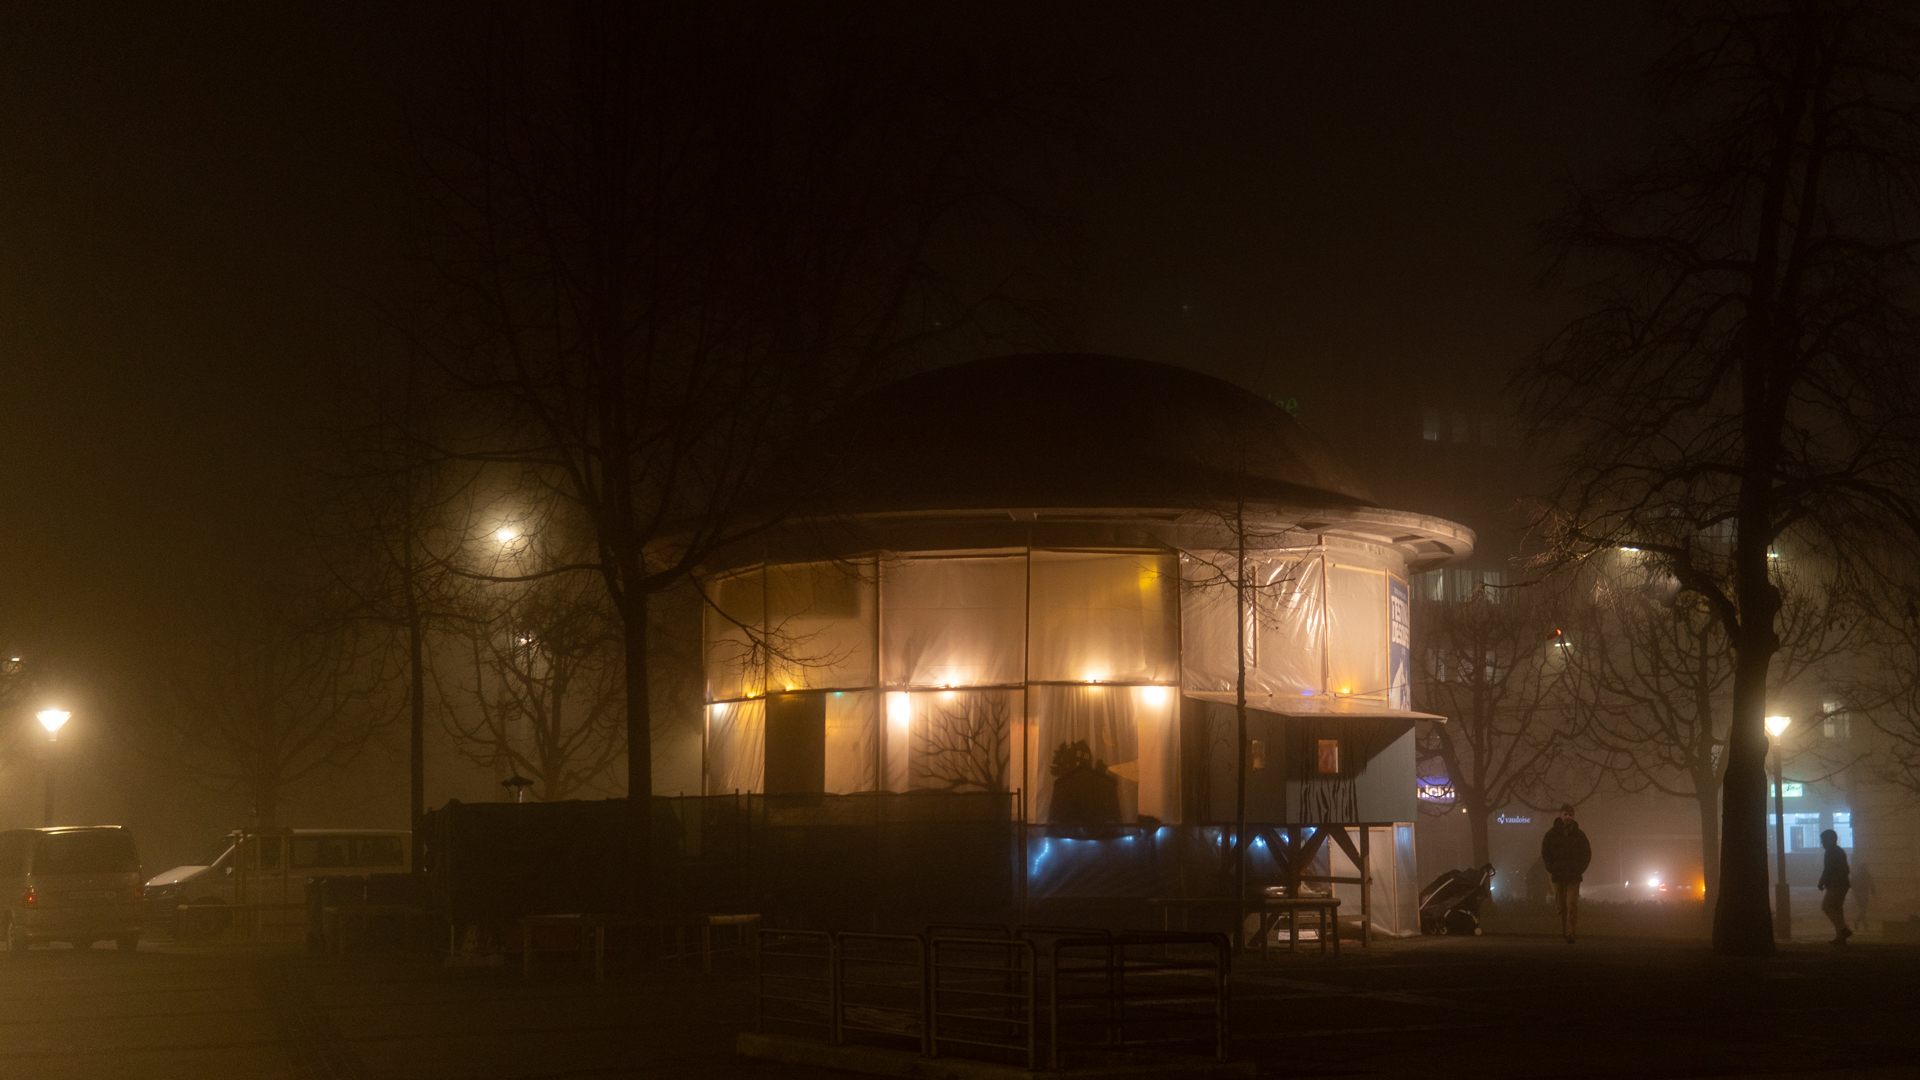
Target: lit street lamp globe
x: 51, y: 719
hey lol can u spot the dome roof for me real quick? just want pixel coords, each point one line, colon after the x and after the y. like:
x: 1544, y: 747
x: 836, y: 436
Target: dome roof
x: 1075, y: 430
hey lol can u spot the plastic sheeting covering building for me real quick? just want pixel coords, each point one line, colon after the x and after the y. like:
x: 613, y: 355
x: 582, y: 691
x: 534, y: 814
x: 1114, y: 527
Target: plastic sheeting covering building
x: 1011, y: 670
x: 1050, y: 576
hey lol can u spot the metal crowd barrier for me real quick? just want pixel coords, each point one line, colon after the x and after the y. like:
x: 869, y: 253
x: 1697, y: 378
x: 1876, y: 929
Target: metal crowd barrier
x: 1138, y: 991
x: 995, y: 994
x: 881, y: 989
x: 796, y: 982
x: 981, y: 997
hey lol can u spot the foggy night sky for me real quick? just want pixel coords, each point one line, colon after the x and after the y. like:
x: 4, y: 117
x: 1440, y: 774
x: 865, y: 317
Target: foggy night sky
x: 199, y: 207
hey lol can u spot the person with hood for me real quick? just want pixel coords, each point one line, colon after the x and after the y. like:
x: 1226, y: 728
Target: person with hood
x: 1566, y: 853
x: 1835, y: 880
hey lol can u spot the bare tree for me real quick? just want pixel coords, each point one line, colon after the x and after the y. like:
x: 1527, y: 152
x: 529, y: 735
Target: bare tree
x: 1747, y: 375
x: 538, y: 689
x: 405, y: 518
x: 1883, y: 684
x: 1654, y: 676
x: 256, y: 696
x: 1263, y: 592
x: 1494, y: 664
x: 963, y: 744
x: 669, y: 237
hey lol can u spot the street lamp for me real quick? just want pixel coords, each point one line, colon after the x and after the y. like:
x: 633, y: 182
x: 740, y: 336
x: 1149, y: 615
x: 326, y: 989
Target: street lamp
x: 51, y: 719
x: 1782, y: 899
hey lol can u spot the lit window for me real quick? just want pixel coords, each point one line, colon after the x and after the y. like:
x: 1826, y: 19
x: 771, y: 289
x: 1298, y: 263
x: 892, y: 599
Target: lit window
x: 1256, y: 754
x: 1843, y: 827
x: 1803, y: 832
x: 1430, y: 425
x: 1329, y: 756
x: 1837, y: 725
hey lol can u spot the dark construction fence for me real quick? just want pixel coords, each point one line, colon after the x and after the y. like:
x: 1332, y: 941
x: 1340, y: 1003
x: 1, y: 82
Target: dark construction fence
x: 866, y: 861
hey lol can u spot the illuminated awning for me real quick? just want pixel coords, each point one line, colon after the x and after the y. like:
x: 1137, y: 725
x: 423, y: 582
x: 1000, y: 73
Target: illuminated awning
x: 1316, y: 705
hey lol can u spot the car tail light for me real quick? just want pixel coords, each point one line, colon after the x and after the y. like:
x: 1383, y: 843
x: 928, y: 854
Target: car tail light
x: 139, y: 892
x: 29, y: 899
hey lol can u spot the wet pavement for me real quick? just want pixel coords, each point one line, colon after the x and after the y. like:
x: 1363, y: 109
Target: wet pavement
x: 1483, y: 1007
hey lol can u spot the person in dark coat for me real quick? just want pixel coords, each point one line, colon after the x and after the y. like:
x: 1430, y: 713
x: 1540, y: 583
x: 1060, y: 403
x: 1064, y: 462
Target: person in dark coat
x: 1566, y: 852
x: 1835, y: 880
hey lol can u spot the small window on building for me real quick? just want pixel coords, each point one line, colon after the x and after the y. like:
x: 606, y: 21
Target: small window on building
x: 1329, y: 757
x: 1837, y: 724
x: 1843, y: 828
x: 1256, y: 754
x: 1430, y: 425
x: 1803, y: 832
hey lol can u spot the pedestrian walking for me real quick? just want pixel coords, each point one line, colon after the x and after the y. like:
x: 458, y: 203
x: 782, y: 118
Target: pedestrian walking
x: 1566, y: 853
x: 1835, y: 880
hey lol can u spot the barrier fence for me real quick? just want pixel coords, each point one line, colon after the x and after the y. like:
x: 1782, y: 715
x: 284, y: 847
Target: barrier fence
x: 1138, y: 991
x: 1019, y: 996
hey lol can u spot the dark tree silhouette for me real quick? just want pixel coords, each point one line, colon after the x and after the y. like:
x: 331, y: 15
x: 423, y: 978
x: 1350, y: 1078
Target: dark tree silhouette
x: 1494, y: 665
x: 255, y: 696
x: 537, y: 689
x: 963, y: 744
x: 1748, y: 372
x: 1653, y: 679
x: 671, y: 236
x: 1259, y: 599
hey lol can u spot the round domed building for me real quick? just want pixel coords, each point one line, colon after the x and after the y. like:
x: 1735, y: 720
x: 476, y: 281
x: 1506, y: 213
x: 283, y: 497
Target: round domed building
x: 1054, y: 576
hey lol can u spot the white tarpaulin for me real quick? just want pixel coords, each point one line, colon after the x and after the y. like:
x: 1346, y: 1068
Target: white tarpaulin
x: 1281, y: 604
x: 1357, y: 631
x: 1101, y: 617
x: 736, y: 747
x: 852, y: 733
x: 954, y: 622
x: 819, y: 626
x: 1105, y: 755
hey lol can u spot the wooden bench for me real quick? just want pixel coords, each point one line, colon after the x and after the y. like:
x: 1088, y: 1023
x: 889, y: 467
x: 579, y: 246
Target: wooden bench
x: 1269, y: 909
x: 1291, y: 906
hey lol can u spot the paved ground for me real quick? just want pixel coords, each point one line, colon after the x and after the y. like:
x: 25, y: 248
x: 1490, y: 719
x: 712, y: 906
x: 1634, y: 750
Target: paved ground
x: 1483, y: 1008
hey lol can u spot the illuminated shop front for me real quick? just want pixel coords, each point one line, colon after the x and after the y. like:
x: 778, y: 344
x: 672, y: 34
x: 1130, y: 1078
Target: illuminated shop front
x: 1050, y: 611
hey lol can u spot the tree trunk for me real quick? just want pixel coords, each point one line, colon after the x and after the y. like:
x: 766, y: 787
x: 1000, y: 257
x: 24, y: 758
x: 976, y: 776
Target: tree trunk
x: 633, y: 613
x: 416, y: 726
x: 266, y: 804
x: 1707, y: 800
x: 1743, y: 916
x: 1477, y: 827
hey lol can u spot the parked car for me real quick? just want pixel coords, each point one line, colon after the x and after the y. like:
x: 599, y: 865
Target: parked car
x: 79, y: 885
x: 265, y: 871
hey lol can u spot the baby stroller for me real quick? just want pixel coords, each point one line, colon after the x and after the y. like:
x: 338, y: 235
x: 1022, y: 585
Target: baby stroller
x: 1451, y: 905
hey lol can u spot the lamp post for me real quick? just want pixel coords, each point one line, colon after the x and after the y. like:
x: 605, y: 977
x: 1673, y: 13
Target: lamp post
x: 51, y: 719
x: 1782, y: 899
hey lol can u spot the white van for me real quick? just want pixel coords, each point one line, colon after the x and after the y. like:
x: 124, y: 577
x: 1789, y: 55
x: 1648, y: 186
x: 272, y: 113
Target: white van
x: 264, y: 872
